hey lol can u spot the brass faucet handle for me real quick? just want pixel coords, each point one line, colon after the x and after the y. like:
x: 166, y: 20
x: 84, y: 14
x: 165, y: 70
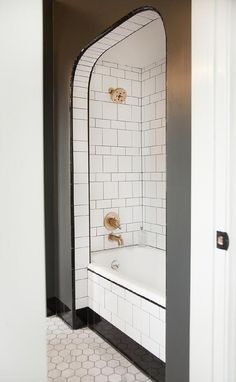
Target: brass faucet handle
x: 114, y: 222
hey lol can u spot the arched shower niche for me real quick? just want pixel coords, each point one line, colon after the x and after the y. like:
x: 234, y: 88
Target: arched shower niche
x: 118, y: 188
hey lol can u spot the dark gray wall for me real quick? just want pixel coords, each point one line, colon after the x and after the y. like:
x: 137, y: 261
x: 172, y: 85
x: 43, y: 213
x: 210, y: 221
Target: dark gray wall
x: 49, y: 197
x: 76, y: 23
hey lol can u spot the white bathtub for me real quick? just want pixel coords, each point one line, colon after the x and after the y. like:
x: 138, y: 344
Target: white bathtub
x: 132, y: 298
x: 141, y: 269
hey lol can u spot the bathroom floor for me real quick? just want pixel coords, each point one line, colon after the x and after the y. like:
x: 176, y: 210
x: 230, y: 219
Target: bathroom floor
x: 81, y: 355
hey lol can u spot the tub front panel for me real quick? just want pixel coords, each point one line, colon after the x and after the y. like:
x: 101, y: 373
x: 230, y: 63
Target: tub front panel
x: 137, y: 317
x: 141, y: 270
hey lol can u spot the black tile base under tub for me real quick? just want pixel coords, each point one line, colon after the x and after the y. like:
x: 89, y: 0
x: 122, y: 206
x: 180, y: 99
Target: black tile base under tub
x: 152, y: 366
x: 80, y: 318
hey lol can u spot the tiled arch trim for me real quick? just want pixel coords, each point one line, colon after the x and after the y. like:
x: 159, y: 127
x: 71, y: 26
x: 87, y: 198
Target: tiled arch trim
x: 80, y: 164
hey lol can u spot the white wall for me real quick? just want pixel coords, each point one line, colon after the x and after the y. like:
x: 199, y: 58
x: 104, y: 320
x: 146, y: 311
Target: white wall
x: 22, y: 268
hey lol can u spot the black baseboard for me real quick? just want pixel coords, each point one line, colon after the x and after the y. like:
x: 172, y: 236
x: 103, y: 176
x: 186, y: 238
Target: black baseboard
x: 65, y: 313
x: 51, y: 306
x: 152, y: 366
x: 57, y: 307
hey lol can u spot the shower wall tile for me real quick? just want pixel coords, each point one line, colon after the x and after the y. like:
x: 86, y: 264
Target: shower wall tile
x: 125, y: 138
x: 153, y: 154
x: 81, y: 288
x: 109, y: 137
x: 81, y: 274
x: 81, y: 302
x: 80, y: 153
x: 81, y: 258
x: 140, y: 319
x: 97, y: 243
x: 81, y: 223
x: 116, y: 163
x: 124, y: 112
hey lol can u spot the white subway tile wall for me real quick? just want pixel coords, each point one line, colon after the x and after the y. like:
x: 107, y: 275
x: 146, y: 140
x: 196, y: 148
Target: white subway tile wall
x: 129, y: 149
x: 154, y: 154
x: 116, y: 142
x: 140, y: 319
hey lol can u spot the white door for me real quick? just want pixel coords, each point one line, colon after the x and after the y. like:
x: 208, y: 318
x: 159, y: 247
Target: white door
x: 210, y: 336
x: 231, y: 282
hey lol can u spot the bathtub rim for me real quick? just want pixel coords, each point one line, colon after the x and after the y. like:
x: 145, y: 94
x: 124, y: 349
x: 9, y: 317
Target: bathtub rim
x: 104, y: 273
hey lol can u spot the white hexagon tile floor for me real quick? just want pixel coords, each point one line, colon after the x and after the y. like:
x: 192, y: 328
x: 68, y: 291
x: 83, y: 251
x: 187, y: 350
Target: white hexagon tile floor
x: 82, y: 356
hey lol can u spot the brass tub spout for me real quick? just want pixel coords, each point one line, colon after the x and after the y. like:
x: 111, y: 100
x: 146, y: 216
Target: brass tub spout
x: 117, y: 238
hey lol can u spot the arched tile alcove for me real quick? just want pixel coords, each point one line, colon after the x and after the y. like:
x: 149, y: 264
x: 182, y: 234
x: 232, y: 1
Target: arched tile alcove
x: 80, y: 141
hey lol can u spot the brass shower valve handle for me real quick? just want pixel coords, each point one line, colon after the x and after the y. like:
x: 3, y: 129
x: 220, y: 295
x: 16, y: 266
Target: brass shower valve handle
x: 112, y: 221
